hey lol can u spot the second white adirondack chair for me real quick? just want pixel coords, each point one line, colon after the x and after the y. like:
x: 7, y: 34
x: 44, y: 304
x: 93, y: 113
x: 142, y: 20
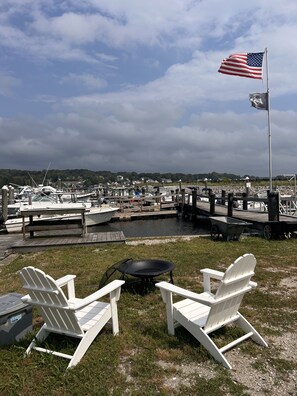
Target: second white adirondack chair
x: 204, y: 313
x: 74, y: 317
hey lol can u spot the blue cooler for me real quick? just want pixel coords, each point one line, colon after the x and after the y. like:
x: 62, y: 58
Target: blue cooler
x: 15, y: 318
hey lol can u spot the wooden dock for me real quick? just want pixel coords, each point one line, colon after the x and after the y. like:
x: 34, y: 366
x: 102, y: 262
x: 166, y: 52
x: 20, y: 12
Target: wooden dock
x: 14, y: 243
x: 144, y: 215
x: 285, y: 226
x: 245, y: 215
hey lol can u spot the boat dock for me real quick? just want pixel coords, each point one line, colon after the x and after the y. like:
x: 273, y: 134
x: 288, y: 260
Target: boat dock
x: 246, y: 215
x: 271, y: 223
x: 14, y: 243
x: 144, y: 215
x: 18, y: 243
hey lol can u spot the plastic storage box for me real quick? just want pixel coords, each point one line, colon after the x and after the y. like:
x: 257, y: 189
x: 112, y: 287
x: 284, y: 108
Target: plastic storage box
x: 15, y: 318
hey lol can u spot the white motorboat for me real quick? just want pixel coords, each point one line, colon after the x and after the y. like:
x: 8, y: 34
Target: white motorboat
x: 93, y: 215
x: 26, y: 195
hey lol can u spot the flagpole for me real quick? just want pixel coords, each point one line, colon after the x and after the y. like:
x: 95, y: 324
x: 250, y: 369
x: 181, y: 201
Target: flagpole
x: 268, y: 121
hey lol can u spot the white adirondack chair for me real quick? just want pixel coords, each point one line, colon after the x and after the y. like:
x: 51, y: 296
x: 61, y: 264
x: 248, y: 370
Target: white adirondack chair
x: 204, y: 313
x: 74, y: 317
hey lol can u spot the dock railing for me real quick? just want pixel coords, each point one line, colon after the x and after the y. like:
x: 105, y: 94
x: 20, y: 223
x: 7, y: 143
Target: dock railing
x: 274, y: 203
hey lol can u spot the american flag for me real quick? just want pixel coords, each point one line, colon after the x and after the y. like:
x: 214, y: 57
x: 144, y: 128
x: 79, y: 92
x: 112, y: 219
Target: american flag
x: 243, y: 65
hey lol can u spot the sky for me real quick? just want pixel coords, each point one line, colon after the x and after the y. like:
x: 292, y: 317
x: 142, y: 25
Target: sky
x: 133, y: 86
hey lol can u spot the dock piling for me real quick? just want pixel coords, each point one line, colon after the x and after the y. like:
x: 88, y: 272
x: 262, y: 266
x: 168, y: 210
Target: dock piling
x: 5, y: 203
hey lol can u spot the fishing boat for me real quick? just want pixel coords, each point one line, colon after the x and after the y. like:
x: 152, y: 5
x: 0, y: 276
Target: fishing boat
x: 93, y: 215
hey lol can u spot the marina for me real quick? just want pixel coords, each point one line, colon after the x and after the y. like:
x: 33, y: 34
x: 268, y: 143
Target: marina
x: 112, y: 232
x: 171, y: 211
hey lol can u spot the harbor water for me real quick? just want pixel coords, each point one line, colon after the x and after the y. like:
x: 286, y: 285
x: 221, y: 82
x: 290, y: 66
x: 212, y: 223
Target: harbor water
x: 155, y: 227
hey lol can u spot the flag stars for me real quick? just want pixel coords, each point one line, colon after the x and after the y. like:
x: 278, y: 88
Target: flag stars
x: 255, y: 59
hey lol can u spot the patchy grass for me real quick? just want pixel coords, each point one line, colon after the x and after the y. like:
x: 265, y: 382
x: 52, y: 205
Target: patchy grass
x: 144, y: 359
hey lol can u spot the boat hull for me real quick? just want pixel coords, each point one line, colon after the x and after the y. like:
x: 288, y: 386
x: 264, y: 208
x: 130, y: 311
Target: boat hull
x: 93, y: 216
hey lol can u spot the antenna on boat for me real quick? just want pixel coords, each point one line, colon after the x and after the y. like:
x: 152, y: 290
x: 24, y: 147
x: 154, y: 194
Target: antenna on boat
x: 34, y: 182
x: 46, y: 173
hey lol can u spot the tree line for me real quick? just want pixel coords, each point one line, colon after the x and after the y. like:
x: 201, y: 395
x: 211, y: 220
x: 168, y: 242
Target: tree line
x: 89, y: 178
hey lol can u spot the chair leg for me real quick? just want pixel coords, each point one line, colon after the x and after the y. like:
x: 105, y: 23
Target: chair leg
x: 40, y: 337
x: 87, y: 340
x: 247, y: 327
x: 210, y: 346
x: 114, y: 317
x: 204, y: 340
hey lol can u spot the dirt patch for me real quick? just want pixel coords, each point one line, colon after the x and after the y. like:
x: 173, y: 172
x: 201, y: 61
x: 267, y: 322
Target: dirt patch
x: 157, y: 241
x: 267, y: 379
x: 289, y: 283
x: 181, y: 375
x: 260, y: 376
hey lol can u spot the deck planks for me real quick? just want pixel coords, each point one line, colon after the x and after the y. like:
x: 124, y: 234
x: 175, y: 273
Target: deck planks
x: 15, y: 243
x: 257, y: 218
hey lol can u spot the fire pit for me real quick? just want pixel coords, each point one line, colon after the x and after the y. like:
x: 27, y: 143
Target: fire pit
x: 145, y: 270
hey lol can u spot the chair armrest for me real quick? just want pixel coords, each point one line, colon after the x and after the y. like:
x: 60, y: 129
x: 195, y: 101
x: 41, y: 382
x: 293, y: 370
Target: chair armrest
x: 213, y: 273
x: 209, y: 273
x: 166, y: 287
x: 69, y: 281
x: 113, y: 288
x: 65, y: 279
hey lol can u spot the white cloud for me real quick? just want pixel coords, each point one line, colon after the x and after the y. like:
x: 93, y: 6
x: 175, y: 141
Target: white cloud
x: 86, y: 80
x: 124, y: 85
x: 8, y: 84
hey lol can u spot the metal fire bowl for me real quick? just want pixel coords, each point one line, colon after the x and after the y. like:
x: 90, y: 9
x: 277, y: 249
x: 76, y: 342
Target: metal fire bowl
x: 147, y: 268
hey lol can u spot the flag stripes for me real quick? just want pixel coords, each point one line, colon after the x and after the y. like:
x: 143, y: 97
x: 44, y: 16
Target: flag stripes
x: 244, y: 65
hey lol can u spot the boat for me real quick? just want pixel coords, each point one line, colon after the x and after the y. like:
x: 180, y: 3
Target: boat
x: 27, y: 195
x: 93, y: 215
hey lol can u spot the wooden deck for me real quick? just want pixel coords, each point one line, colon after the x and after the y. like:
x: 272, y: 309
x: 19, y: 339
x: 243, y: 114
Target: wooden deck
x: 14, y: 243
x: 246, y: 215
x: 258, y: 219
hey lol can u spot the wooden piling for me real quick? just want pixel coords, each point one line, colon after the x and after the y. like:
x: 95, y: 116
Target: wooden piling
x: 212, y: 199
x: 230, y: 204
x: 194, y: 200
x: 273, y: 206
x: 10, y: 195
x: 5, y: 203
x: 223, y: 197
x: 244, y: 201
x: 183, y: 199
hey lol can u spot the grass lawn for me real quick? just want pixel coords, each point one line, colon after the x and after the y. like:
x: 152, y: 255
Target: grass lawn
x: 144, y: 359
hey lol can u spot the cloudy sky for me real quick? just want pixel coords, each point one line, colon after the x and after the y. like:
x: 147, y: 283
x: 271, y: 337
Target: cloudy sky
x: 133, y: 85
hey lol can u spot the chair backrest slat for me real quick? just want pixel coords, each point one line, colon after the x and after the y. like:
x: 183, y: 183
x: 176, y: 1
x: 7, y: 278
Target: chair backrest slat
x: 50, y: 301
x: 231, y: 290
